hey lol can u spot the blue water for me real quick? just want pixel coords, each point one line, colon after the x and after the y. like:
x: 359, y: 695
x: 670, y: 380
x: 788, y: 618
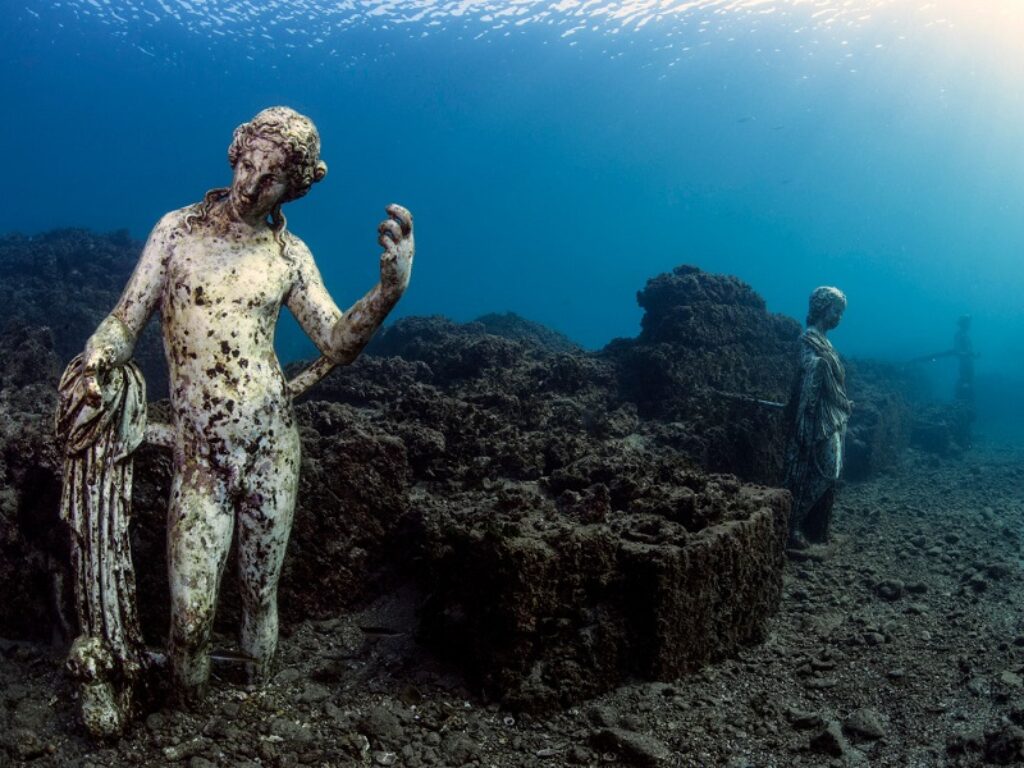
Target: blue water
x: 556, y: 157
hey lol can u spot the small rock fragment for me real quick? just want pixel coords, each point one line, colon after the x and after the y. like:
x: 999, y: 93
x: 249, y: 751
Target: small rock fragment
x: 459, y: 748
x: 804, y: 720
x: 381, y: 724
x: 634, y: 748
x: 830, y: 741
x: 290, y: 731
x: 25, y: 744
x: 1005, y: 746
x: 1011, y: 679
x: 890, y: 589
x: 865, y: 723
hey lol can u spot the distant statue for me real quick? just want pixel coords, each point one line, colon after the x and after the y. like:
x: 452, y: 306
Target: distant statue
x: 819, y: 412
x: 960, y: 417
x: 218, y: 271
x: 963, y: 394
x: 965, y: 356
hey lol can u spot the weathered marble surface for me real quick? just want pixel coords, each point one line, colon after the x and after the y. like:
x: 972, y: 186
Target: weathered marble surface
x: 219, y: 273
x: 819, y: 412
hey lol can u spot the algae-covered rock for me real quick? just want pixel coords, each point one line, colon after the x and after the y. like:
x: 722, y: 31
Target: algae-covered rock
x: 545, y: 607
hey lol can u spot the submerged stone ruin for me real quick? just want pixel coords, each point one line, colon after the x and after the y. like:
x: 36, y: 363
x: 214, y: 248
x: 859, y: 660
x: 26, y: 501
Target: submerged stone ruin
x: 705, y: 339
x: 545, y: 602
x: 553, y: 507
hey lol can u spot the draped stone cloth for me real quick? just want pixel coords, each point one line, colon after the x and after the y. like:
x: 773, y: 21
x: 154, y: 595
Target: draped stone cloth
x: 819, y: 411
x: 109, y: 657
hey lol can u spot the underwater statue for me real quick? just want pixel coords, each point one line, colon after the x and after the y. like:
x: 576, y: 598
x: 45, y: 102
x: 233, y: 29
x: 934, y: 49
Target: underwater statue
x: 218, y: 272
x: 965, y: 355
x: 963, y: 394
x: 962, y: 414
x: 819, y: 411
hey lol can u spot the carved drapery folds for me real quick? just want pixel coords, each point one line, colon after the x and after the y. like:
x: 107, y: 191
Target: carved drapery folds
x: 108, y: 657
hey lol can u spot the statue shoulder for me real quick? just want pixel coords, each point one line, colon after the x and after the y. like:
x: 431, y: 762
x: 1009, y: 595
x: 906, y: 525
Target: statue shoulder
x: 172, y: 224
x: 813, y: 341
x: 161, y: 244
x: 295, y: 242
x: 296, y: 250
x: 177, y: 219
x: 808, y: 344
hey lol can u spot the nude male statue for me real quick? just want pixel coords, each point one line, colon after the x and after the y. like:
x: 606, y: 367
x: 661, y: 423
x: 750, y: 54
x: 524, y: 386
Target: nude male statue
x: 819, y: 411
x: 219, y: 271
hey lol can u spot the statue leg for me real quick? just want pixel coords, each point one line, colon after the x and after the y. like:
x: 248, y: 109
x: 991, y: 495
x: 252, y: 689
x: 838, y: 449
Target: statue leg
x: 829, y: 462
x: 199, y: 529
x: 264, y: 524
x: 798, y: 477
x: 817, y: 524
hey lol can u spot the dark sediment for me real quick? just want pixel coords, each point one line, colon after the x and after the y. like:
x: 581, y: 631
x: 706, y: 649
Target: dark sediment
x: 898, y: 645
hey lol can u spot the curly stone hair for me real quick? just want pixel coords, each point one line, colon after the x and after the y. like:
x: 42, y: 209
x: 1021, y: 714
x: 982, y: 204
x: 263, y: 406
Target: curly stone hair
x: 293, y: 132
x: 821, y: 299
x: 296, y: 134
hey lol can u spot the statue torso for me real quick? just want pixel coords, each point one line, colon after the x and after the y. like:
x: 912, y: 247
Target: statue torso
x: 221, y: 299
x: 832, y: 409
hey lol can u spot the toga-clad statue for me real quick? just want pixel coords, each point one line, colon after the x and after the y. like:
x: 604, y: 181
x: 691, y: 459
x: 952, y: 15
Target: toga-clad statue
x: 963, y: 396
x: 964, y: 352
x: 218, y: 272
x: 819, y: 411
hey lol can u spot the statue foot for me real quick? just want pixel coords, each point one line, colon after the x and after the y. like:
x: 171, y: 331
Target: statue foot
x: 797, y: 541
x: 100, y: 710
x: 259, y: 671
x: 103, y: 706
x: 188, y: 696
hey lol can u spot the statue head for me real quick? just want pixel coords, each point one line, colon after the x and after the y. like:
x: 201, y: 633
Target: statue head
x: 298, y: 141
x: 276, y: 159
x: 964, y: 322
x: 826, y: 307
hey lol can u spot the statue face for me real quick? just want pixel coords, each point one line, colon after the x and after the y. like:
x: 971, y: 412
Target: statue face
x: 260, y: 180
x: 833, y: 315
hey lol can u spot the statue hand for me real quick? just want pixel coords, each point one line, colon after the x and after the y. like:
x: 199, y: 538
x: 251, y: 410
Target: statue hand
x: 396, y: 238
x: 95, y: 368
